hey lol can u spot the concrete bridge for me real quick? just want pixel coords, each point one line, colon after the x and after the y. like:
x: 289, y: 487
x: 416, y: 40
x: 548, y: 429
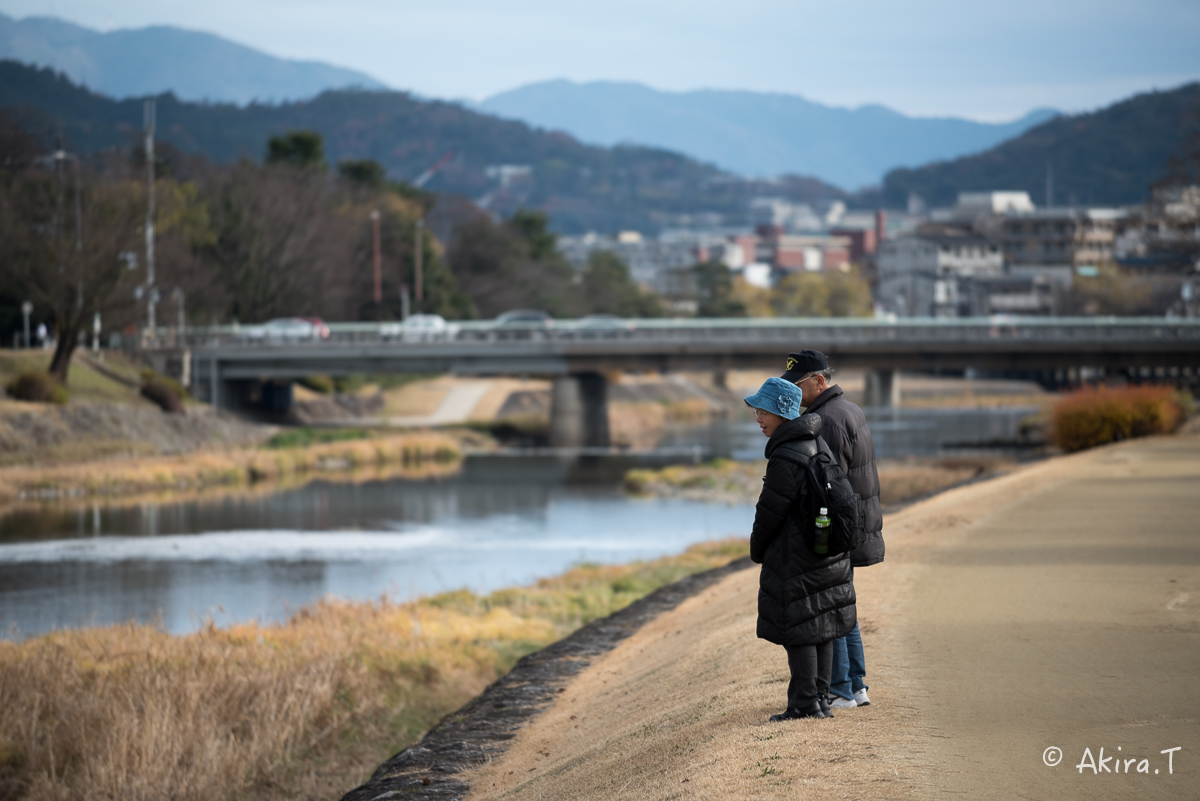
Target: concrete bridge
x: 228, y: 369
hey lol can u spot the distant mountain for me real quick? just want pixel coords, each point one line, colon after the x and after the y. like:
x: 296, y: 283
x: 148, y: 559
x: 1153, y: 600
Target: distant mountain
x: 581, y: 187
x: 1107, y: 157
x: 754, y: 133
x: 147, y: 61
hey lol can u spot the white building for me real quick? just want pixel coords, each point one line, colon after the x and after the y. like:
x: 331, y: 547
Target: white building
x: 930, y: 275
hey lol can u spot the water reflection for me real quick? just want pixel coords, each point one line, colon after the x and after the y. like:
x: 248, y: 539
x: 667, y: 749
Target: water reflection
x: 898, y: 433
x: 501, y: 521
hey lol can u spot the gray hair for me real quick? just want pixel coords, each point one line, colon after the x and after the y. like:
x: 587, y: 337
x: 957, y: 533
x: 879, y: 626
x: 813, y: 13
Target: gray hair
x: 827, y: 374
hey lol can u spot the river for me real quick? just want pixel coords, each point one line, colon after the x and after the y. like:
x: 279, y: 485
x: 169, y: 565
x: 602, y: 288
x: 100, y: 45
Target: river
x: 503, y: 520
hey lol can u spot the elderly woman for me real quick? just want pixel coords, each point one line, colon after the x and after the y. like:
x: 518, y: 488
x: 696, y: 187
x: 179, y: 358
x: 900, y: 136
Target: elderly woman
x: 805, y: 600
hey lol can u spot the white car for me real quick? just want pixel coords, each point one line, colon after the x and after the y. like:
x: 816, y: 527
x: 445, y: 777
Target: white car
x: 422, y: 328
x: 288, y: 329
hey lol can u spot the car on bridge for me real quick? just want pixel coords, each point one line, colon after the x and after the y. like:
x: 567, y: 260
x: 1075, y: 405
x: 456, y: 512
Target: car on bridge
x: 287, y: 329
x: 605, y: 322
x: 420, y: 328
x: 524, y: 318
x: 521, y: 324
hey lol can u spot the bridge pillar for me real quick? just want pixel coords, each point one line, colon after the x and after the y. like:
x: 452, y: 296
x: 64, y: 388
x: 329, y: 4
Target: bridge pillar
x: 579, y: 411
x: 882, y: 388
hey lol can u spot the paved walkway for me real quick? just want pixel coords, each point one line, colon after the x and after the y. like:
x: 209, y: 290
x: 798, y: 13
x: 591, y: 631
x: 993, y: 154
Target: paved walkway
x: 1068, y: 618
x: 456, y: 407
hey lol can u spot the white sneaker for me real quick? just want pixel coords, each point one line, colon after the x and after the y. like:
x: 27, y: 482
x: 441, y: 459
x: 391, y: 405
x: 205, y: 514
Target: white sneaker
x: 860, y: 697
x: 839, y: 702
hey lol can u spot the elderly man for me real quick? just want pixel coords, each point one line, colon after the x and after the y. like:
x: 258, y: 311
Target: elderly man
x: 844, y: 428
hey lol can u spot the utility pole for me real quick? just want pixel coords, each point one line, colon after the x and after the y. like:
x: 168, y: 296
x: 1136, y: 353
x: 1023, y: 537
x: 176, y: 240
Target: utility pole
x: 26, y: 310
x: 58, y: 204
x: 149, y: 114
x: 177, y: 294
x: 78, y: 238
x: 418, y: 265
x: 60, y: 156
x: 1049, y: 184
x: 378, y: 264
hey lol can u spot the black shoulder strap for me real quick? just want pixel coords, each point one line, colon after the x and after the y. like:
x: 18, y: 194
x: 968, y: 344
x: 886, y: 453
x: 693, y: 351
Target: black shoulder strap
x: 813, y: 478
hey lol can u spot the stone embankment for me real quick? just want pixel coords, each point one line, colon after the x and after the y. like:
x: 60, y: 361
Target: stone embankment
x: 35, y: 433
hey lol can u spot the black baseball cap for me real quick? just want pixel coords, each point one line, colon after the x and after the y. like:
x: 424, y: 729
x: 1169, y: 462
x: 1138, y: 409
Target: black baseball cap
x: 802, y: 363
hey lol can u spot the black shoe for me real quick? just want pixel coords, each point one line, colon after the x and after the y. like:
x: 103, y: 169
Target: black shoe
x: 812, y: 710
x: 823, y: 700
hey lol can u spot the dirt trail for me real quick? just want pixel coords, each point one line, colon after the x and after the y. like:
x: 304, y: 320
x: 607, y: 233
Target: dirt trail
x: 1056, y: 606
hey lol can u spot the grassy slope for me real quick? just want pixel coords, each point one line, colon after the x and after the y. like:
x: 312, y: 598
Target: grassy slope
x: 302, y: 710
x: 85, y: 383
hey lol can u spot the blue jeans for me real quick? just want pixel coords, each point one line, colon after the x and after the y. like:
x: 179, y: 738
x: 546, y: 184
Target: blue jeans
x: 849, y: 666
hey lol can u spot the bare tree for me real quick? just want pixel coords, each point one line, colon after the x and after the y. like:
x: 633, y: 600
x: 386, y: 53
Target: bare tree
x: 278, y: 245
x: 62, y: 233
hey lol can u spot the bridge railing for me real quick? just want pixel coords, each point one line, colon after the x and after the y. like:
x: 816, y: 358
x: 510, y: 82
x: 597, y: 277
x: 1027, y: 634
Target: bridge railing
x: 844, y: 330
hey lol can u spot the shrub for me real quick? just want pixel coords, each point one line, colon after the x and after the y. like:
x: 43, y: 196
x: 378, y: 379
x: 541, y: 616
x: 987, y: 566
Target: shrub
x: 37, y: 386
x: 1091, y: 417
x: 303, y: 437
x: 162, y: 393
x: 149, y: 376
x: 317, y: 383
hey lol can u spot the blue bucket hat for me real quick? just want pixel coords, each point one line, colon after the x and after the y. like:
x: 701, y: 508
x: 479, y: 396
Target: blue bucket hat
x: 778, y: 397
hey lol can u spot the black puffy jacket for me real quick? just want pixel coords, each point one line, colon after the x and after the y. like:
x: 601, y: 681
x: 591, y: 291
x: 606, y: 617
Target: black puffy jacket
x: 844, y: 428
x: 803, y: 598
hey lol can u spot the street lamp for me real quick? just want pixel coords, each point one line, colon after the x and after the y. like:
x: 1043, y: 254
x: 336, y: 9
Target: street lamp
x: 377, y: 264
x: 26, y: 310
x: 177, y: 294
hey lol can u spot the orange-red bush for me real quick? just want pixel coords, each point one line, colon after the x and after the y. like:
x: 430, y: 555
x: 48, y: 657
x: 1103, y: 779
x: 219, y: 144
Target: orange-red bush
x: 1090, y: 417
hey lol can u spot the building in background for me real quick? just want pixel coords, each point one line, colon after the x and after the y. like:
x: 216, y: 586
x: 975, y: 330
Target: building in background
x: 932, y: 274
x: 1033, y: 256
x: 1054, y: 242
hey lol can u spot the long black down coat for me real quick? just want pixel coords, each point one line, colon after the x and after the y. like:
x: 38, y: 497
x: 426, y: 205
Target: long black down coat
x: 803, y: 598
x: 844, y: 428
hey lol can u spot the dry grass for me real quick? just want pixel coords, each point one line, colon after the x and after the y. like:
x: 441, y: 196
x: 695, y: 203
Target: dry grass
x: 727, y: 481
x: 719, y: 481
x: 232, y: 468
x: 639, y: 424
x: 1096, y: 416
x: 903, y: 481
x: 302, y: 710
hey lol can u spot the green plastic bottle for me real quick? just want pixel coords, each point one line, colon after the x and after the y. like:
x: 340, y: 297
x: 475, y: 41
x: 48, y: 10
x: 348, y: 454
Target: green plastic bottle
x: 821, y: 545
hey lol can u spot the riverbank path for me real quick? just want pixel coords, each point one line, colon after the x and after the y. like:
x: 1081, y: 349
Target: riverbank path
x: 1018, y: 627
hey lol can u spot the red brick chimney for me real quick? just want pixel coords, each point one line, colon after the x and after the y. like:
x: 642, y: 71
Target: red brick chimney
x: 880, y: 226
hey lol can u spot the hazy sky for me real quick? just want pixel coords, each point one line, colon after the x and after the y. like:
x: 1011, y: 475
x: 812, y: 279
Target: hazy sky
x: 963, y: 57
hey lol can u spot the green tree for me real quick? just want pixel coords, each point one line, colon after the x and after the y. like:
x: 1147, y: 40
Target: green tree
x: 534, y: 228
x: 714, y: 288
x: 609, y: 289
x: 1110, y: 291
x: 514, y: 265
x: 823, y: 294
x: 363, y: 173
x: 298, y: 149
